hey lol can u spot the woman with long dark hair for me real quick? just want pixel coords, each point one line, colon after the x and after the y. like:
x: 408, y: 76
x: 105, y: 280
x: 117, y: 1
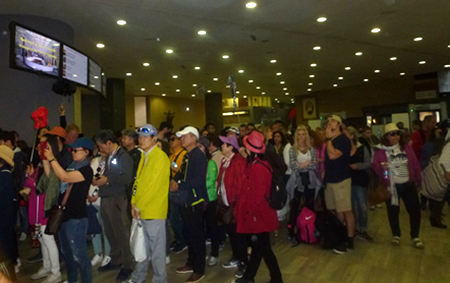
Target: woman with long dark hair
x: 396, y: 164
x: 279, y: 142
x: 254, y: 217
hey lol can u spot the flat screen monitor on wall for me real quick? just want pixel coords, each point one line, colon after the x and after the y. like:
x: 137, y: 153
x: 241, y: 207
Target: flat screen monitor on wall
x: 34, y: 52
x: 95, y: 76
x: 74, y: 66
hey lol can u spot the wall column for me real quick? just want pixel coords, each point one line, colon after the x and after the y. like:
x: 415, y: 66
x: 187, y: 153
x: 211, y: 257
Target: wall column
x: 213, y: 109
x: 113, y: 110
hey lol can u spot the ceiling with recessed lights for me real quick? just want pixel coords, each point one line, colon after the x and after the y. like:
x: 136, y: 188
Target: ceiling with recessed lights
x: 185, y: 48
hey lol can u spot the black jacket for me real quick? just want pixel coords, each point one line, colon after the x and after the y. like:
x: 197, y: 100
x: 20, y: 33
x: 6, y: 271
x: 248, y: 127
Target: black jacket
x: 119, y: 171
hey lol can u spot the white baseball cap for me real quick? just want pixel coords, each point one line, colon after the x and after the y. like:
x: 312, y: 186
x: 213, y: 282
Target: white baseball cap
x: 187, y: 130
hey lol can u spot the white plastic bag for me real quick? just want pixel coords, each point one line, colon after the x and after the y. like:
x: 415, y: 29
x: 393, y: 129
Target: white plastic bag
x: 137, y: 241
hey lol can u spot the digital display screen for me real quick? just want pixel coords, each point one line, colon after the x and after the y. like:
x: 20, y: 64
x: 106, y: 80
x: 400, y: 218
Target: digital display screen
x: 35, y: 52
x: 95, y: 76
x: 75, y: 66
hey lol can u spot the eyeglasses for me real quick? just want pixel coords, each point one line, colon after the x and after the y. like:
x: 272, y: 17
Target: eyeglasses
x: 396, y: 133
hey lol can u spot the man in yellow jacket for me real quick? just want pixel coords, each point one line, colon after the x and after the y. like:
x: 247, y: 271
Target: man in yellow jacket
x: 149, y: 203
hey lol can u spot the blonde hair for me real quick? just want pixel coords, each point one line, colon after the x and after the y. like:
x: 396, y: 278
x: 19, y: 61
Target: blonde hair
x: 354, y: 132
x: 265, y: 131
x: 308, y: 140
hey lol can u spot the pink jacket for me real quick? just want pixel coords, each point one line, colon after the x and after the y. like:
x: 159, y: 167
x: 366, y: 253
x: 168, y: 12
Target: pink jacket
x: 36, y: 203
x: 415, y: 173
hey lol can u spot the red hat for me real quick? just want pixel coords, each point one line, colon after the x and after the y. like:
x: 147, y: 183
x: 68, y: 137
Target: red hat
x: 255, y: 142
x: 58, y: 131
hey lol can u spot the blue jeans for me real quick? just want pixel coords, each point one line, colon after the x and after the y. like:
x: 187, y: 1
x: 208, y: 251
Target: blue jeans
x: 176, y: 223
x: 72, y: 238
x: 23, y: 210
x: 359, y: 207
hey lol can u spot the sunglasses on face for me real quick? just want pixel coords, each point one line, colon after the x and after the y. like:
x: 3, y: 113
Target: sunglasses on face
x: 396, y: 133
x: 144, y: 130
x: 172, y: 139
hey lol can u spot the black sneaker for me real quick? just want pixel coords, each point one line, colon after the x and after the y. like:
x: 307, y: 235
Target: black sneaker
x: 173, y: 245
x: 109, y: 267
x: 241, y: 270
x: 341, y: 249
x: 364, y: 236
x: 124, y: 275
x: 179, y: 248
x: 36, y: 258
x: 231, y: 263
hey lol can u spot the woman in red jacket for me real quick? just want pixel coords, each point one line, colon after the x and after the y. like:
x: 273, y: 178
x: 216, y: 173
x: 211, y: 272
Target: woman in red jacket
x: 254, y: 217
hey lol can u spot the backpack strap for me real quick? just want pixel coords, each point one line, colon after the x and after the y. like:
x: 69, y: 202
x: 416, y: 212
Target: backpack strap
x: 268, y: 168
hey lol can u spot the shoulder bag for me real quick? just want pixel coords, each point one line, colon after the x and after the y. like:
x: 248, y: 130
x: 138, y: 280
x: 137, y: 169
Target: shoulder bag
x: 56, y: 215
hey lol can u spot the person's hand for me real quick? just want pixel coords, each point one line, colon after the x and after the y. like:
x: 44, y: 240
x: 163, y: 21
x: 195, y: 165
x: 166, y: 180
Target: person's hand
x: 92, y: 198
x: 354, y: 166
x: 100, y: 181
x: 304, y: 165
x: 135, y: 212
x: 329, y: 132
x: 175, y: 169
x: 62, y: 110
x: 48, y: 152
x: 173, y: 186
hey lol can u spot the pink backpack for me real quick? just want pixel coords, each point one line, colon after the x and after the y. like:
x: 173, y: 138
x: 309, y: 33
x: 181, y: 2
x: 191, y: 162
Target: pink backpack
x: 306, y: 226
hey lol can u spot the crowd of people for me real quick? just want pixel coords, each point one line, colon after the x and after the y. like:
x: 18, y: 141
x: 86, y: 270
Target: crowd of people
x: 203, y: 185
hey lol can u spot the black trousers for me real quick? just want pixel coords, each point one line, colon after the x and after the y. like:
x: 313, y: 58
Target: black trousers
x: 211, y: 227
x: 194, y: 234
x: 408, y: 193
x: 261, y: 248
x: 436, y: 208
x: 238, y: 243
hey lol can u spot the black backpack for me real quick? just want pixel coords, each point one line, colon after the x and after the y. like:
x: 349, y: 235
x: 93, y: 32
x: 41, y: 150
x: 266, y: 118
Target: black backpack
x: 278, y: 194
x: 332, y: 231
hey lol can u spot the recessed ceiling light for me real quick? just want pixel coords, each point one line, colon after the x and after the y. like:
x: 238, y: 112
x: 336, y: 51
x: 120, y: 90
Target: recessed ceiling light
x: 287, y: 93
x: 311, y: 76
x: 250, y: 81
x: 310, y: 83
x: 258, y: 87
x: 163, y: 94
x: 375, y: 30
x: 402, y: 74
x: 366, y: 80
x: 282, y: 82
x: 335, y: 85
x: 146, y: 64
x: 263, y: 92
x: 143, y: 89
x: 313, y: 65
x: 393, y: 58
x: 309, y: 89
x: 215, y: 79
x: 100, y: 45
x: 321, y: 19
x: 422, y: 62
x: 447, y: 66
x: 209, y: 90
x: 376, y: 71
x: 129, y: 74
x: 237, y: 92
x: 245, y: 96
x: 225, y: 56
x: 250, y: 5
x: 177, y: 90
x: 193, y: 95
x: 95, y: 77
x: 273, y: 61
x: 187, y: 108
x: 197, y: 68
x: 201, y: 32
x: 278, y: 74
x: 241, y: 71
x: 157, y: 83
x: 418, y: 39
x: 316, y: 47
x: 340, y: 78
x: 194, y: 85
x: 121, y: 22
x: 358, y: 53
x: 284, y: 88
x: 175, y: 76
x: 292, y: 101
x: 169, y: 51
x: 347, y: 68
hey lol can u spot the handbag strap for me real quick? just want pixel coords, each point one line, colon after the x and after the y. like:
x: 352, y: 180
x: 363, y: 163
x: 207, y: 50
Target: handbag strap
x: 66, y: 196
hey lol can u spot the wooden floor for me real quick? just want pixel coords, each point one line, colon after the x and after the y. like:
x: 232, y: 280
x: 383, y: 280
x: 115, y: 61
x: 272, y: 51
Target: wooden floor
x: 369, y: 262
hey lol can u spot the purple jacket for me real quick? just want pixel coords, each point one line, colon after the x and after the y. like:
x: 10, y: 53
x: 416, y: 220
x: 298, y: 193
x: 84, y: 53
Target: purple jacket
x: 415, y: 173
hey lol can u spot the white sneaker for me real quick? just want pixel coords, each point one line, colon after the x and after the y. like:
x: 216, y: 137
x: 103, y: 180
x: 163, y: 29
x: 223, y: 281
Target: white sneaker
x: 213, y: 261
x: 96, y: 259
x: 167, y: 259
x: 106, y: 260
x: 42, y: 273
x: 22, y: 237
x: 53, y: 278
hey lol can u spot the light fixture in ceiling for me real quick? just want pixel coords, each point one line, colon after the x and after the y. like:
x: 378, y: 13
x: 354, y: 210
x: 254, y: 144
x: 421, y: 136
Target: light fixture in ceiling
x: 284, y: 88
x: 310, y: 83
x: 418, y: 38
x: 422, y: 62
x: 402, y: 74
x: 146, y: 64
x: 335, y: 85
x: 258, y: 87
x: 129, y: 74
x: 311, y: 76
x: 393, y: 58
x: 201, y: 32
x: 359, y: 53
x: 225, y: 56
x: 286, y: 93
x: 163, y: 94
x: 282, y: 82
x: 263, y: 92
x: 251, y: 5
x: 169, y: 51
x: 208, y: 90
x: 100, y: 45
x: 273, y: 61
x: 376, y: 71
x: 121, y: 22
x: 215, y: 79
x: 175, y: 76
x: 340, y: 78
x: 197, y: 68
x: 156, y: 83
x: 316, y: 48
x: 194, y: 85
x: 309, y: 89
x: 375, y: 30
x: 241, y: 71
x: 313, y: 65
x: 321, y: 19
x: 143, y: 89
x: 193, y: 95
x: 365, y: 80
x: 347, y: 68
x: 187, y: 108
x: 177, y: 90
x: 447, y: 66
x: 250, y: 81
x: 278, y: 74
x: 245, y: 96
x: 237, y: 92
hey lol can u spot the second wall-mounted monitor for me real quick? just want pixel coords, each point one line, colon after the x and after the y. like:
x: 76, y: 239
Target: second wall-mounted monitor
x: 95, y: 76
x: 75, y: 66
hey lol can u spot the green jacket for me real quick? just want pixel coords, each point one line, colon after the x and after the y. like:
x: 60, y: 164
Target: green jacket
x: 50, y: 186
x: 211, y: 177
